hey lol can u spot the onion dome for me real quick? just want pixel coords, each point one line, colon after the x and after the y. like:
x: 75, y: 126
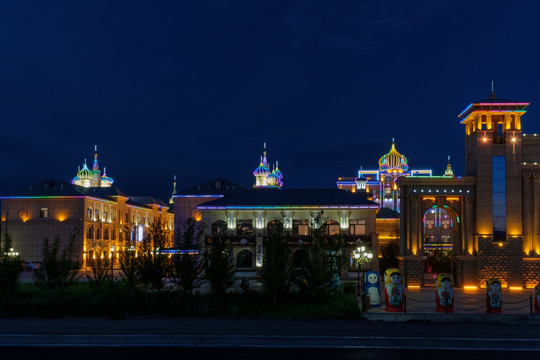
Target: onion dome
x: 272, y: 179
x: 105, y: 180
x: 393, y: 161
x: 85, y: 173
x: 261, y: 170
x: 278, y: 173
x: 76, y: 180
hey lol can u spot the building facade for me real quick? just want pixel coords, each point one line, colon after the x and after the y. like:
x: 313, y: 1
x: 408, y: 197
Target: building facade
x: 100, y: 218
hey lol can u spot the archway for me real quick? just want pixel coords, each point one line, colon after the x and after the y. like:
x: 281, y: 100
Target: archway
x: 439, y: 236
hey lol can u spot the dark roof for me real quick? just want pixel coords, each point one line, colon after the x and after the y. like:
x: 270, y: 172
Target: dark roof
x: 54, y: 187
x: 386, y: 213
x: 218, y: 186
x: 291, y: 197
x: 146, y: 200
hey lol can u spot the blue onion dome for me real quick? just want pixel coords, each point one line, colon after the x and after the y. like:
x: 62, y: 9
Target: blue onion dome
x: 272, y: 179
x: 85, y: 173
x: 278, y: 173
x: 261, y: 170
x: 105, y: 180
x: 393, y: 160
x: 75, y: 180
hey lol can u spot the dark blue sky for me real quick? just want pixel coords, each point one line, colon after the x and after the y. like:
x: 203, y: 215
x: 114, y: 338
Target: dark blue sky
x: 195, y: 88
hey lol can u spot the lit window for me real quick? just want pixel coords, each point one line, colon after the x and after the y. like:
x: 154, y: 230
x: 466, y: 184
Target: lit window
x: 331, y: 227
x: 96, y: 212
x: 357, y: 227
x: 44, y: 213
x: 89, y: 213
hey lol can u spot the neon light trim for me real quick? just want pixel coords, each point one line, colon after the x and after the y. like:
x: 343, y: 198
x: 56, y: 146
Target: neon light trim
x: 43, y: 197
x: 224, y: 207
x: 198, y: 196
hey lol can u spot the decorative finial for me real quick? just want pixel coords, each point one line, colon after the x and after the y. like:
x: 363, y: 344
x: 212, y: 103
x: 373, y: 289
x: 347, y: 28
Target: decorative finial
x: 264, y: 144
x: 277, y: 164
x: 448, y: 158
x: 492, y: 93
x: 393, y: 140
x: 95, y: 148
x: 85, y: 161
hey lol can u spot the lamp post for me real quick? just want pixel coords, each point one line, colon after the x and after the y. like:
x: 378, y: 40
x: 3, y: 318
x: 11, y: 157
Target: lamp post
x: 112, y: 269
x: 361, y: 256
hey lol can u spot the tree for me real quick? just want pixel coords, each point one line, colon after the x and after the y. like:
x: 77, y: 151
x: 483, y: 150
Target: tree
x: 100, y: 271
x: 186, y: 265
x: 217, y: 265
x: 10, y: 268
x: 152, y: 265
x: 276, y: 269
x: 58, y: 270
x: 389, y: 254
x: 324, y: 260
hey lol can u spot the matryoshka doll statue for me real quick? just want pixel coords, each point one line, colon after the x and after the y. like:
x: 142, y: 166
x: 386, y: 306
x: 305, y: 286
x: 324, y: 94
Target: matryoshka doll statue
x: 493, y: 296
x: 445, y: 293
x: 393, y: 290
x: 537, y: 299
x: 372, y: 287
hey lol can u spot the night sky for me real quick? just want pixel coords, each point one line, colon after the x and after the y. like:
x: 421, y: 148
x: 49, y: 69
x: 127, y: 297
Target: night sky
x: 195, y: 88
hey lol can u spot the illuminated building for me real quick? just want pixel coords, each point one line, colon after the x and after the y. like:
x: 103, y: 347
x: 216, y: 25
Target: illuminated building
x: 246, y: 216
x: 493, y: 212
x: 99, y: 215
x: 381, y: 183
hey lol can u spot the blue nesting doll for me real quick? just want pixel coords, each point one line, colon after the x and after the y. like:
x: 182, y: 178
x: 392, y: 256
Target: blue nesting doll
x: 372, y: 287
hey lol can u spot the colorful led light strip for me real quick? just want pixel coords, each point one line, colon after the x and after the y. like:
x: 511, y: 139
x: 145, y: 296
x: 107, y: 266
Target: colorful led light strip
x: 198, y: 196
x: 202, y: 207
x: 43, y: 197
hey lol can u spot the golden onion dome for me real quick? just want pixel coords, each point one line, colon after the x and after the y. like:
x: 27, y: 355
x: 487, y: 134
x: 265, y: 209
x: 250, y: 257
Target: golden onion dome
x: 85, y: 173
x: 393, y: 160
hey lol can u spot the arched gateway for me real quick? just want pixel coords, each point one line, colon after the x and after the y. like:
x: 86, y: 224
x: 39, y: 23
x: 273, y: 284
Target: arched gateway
x: 420, y: 196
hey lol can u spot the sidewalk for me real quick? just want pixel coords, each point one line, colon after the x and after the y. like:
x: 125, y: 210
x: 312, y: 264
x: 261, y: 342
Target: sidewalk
x: 469, y: 305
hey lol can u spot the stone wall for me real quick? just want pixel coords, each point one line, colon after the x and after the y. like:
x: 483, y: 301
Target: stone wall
x: 502, y: 260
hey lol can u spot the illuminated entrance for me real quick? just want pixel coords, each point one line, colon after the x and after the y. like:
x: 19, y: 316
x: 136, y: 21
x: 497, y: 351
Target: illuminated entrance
x: 438, y: 242
x: 436, y: 227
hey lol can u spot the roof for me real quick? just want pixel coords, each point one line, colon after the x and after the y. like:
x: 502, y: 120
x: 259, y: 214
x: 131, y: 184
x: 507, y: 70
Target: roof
x: 386, y: 213
x: 55, y: 188
x: 146, y: 200
x: 291, y: 198
x: 494, y: 104
x: 219, y: 186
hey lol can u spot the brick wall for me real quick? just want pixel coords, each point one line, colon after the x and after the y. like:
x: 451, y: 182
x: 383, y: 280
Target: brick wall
x: 501, y: 260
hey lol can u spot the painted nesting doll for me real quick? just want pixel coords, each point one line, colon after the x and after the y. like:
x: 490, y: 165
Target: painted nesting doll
x: 493, y: 296
x: 393, y: 290
x: 372, y: 287
x: 444, y: 294
x: 537, y: 299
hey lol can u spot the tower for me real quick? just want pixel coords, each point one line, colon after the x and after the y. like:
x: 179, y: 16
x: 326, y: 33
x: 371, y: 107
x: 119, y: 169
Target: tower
x: 493, y: 156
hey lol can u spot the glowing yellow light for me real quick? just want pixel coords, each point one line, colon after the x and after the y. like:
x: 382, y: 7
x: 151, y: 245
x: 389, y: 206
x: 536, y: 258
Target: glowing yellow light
x: 413, y: 287
x: 516, y: 288
x: 452, y: 198
x: 61, y: 218
x: 428, y: 198
x: 470, y: 287
x: 513, y: 139
x: 500, y: 244
x: 484, y: 139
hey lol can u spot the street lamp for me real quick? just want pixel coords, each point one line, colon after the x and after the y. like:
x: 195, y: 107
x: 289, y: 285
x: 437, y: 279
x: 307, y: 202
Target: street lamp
x: 112, y: 269
x: 361, y: 256
x: 12, y: 252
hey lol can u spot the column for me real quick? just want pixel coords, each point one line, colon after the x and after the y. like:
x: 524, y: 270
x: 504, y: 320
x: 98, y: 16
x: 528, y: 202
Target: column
x: 526, y: 203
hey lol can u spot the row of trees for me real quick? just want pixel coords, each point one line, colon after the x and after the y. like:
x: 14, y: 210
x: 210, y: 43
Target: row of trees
x: 146, y: 268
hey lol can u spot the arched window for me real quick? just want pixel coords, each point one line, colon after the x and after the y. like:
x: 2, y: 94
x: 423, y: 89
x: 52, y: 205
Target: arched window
x: 331, y: 227
x: 301, y: 227
x: 274, y: 226
x: 89, y: 213
x: 244, y: 227
x: 105, y: 215
x: 219, y: 227
x: 244, y: 259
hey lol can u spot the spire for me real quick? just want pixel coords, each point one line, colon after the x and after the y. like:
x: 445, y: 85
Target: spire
x: 449, y: 171
x: 492, y: 93
x: 95, y: 166
x: 171, y: 200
